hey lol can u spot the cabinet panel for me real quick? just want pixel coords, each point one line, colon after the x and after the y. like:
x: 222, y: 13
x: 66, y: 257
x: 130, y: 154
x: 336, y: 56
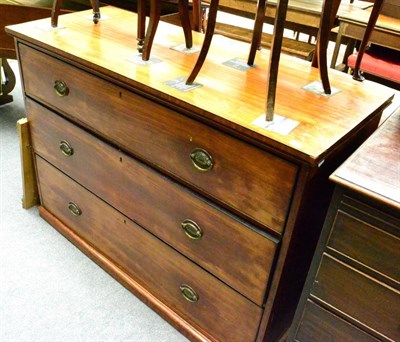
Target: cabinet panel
x: 243, y: 177
x: 226, y: 247
x: 209, y: 304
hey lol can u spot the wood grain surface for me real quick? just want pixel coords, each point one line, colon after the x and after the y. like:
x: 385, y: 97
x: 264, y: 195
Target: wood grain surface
x: 374, y: 169
x: 245, y: 178
x: 230, y: 97
x: 229, y: 249
x: 364, y: 299
x: 225, y: 314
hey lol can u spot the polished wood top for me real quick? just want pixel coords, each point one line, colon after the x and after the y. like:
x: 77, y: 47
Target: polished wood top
x: 302, y: 12
x: 361, y: 17
x: 374, y: 169
x: 228, y: 98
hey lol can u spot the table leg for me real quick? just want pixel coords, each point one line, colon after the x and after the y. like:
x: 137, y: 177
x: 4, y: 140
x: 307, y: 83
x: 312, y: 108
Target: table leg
x: 337, y: 46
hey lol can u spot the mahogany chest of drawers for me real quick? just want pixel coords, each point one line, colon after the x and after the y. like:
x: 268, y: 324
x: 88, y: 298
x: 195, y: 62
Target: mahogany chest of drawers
x: 208, y: 218
x: 353, y: 289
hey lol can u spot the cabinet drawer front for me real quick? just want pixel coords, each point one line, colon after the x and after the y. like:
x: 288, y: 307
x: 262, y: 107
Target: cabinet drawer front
x: 252, y: 182
x: 227, y: 248
x: 366, y: 243
x: 374, y: 304
x: 318, y: 324
x: 213, y: 306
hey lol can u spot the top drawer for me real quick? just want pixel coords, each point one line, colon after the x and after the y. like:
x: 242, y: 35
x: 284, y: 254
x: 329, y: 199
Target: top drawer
x: 247, y: 179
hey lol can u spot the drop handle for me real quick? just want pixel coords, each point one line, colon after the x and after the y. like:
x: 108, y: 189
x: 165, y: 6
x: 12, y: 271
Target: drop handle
x: 192, y: 229
x: 66, y: 148
x: 188, y: 293
x: 201, y: 159
x: 74, y: 209
x: 61, y: 88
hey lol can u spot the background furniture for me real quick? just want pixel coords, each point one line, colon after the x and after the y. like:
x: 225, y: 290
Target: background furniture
x: 14, y: 12
x: 352, y: 292
x: 352, y: 26
x: 206, y: 216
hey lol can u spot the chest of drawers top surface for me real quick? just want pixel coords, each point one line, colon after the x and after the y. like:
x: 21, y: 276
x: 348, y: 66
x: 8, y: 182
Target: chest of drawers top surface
x: 374, y: 169
x: 227, y: 97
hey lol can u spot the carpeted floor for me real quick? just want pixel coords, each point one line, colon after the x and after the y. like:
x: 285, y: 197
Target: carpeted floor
x: 49, y: 290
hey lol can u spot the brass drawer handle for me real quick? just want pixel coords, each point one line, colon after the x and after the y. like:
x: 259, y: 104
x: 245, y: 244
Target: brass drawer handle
x: 61, y: 88
x: 189, y: 294
x: 74, y: 209
x: 192, y: 229
x: 66, y: 148
x: 201, y: 159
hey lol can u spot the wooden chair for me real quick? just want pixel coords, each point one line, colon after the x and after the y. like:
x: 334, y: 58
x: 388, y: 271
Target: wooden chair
x: 376, y: 9
x: 145, y: 38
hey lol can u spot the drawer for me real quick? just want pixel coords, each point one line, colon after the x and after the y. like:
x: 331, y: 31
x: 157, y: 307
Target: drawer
x: 213, y: 306
x: 235, y: 253
x: 250, y: 181
x: 318, y: 324
x: 360, y: 239
x: 373, y: 304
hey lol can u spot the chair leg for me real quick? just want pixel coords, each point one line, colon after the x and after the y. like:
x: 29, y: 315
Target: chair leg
x: 155, y: 12
x: 322, y: 45
x: 141, y: 24
x: 333, y: 12
x: 276, y: 47
x: 185, y: 21
x: 212, y: 18
x: 196, y: 10
x: 376, y: 10
x: 55, y: 12
x: 257, y: 31
x: 96, y: 10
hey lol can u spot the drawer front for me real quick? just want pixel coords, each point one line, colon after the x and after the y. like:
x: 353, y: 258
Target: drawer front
x: 318, y: 324
x: 252, y: 182
x: 365, y: 242
x: 227, y: 248
x: 213, y: 306
x: 373, y: 304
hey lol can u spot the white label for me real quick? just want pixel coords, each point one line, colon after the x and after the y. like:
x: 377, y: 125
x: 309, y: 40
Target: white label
x: 280, y: 124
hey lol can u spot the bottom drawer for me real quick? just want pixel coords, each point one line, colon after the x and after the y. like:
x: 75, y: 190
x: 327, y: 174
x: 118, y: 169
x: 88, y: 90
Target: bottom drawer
x: 374, y: 304
x: 318, y: 324
x: 194, y: 294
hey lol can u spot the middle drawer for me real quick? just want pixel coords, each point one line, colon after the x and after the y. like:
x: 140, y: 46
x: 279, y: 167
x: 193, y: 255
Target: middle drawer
x: 238, y: 255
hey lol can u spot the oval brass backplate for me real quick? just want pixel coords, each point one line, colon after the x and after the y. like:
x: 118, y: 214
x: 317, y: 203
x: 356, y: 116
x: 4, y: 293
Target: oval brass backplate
x: 201, y: 159
x: 192, y: 229
x: 61, y: 88
x: 74, y: 209
x: 188, y: 293
x: 66, y: 148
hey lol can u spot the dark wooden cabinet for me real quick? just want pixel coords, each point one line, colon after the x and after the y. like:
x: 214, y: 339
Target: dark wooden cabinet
x: 353, y: 289
x: 208, y: 218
